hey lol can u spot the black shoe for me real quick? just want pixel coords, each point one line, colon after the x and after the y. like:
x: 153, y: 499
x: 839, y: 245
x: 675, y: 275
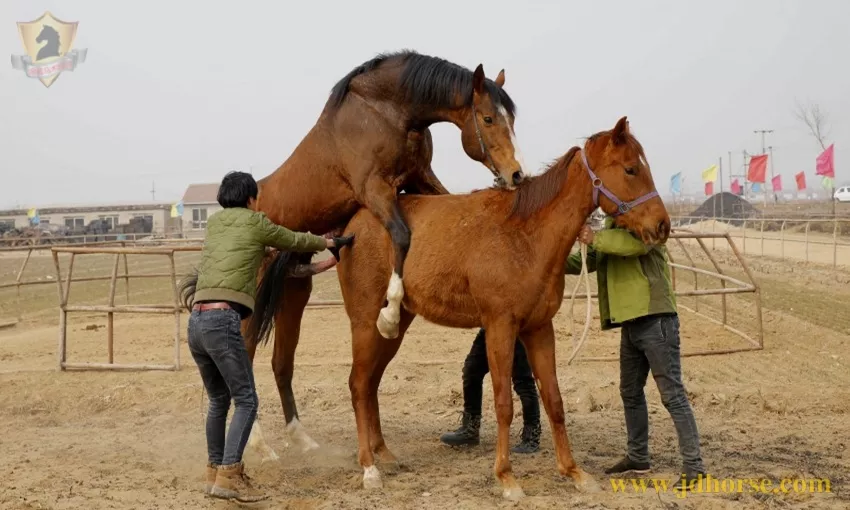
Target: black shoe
x: 627, y: 465
x: 689, y: 481
x: 466, y: 435
x: 529, y: 439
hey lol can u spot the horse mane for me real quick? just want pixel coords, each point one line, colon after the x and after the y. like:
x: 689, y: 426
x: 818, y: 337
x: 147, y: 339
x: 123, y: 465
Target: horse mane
x: 539, y: 191
x: 426, y: 81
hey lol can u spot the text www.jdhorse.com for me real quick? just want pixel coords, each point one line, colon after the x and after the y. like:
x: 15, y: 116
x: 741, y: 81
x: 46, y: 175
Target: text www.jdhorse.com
x: 711, y: 485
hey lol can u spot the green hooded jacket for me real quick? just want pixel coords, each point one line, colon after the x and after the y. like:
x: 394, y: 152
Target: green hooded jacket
x: 234, y: 246
x: 633, y: 278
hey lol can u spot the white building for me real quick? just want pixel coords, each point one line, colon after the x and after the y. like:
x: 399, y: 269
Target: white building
x: 78, y: 217
x: 199, y: 203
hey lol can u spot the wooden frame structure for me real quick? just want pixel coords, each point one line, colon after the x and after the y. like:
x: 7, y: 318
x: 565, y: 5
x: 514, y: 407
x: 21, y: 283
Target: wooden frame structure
x: 111, y: 308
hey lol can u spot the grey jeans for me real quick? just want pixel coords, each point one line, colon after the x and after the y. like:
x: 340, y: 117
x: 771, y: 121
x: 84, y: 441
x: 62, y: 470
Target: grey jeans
x: 652, y: 343
x: 216, y: 343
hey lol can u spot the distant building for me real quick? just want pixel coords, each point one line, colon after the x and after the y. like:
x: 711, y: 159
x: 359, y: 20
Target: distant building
x: 199, y: 203
x: 78, y: 217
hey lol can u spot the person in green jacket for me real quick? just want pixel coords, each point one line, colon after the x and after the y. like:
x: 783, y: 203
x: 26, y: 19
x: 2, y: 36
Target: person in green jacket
x: 235, y: 243
x: 636, y: 295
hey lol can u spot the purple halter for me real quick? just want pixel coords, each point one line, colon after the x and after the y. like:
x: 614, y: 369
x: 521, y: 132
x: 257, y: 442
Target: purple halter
x: 622, y: 207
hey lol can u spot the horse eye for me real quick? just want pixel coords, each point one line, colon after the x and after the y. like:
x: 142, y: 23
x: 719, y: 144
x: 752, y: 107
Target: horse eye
x: 631, y: 171
x: 488, y: 120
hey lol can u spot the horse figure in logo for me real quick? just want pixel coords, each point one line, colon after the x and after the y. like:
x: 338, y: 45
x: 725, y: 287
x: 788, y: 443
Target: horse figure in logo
x: 51, y: 49
x: 515, y: 291
x: 371, y: 142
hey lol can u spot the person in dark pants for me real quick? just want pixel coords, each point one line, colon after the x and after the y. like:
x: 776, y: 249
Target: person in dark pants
x: 475, y: 368
x: 636, y: 295
x: 234, y: 246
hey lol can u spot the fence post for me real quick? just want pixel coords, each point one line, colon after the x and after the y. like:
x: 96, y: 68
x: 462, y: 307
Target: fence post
x: 807, y: 240
x: 762, y: 238
x: 834, y: 242
x: 110, y: 316
x: 782, y: 239
x: 18, y: 286
x: 176, y: 313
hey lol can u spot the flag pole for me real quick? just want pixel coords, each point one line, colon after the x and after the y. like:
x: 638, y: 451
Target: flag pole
x: 720, y: 169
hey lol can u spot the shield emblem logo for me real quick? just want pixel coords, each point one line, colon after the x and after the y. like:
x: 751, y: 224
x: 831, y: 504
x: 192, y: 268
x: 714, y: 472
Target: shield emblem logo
x: 47, y: 42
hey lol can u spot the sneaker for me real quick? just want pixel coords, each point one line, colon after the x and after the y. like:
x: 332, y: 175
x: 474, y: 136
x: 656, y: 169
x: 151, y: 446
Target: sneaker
x: 529, y: 439
x: 628, y: 465
x: 466, y: 435
x: 231, y: 482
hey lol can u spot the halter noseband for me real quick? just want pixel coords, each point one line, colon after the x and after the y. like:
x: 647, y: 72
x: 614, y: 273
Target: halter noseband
x: 483, y: 146
x: 622, y: 207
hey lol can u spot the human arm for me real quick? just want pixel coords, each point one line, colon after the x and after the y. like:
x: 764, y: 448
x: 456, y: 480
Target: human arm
x: 616, y: 241
x: 284, y: 239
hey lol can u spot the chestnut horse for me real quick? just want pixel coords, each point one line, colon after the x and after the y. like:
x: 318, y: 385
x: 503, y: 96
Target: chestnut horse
x: 371, y: 142
x: 449, y: 282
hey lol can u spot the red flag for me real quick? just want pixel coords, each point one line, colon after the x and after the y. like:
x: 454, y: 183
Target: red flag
x: 777, y: 183
x: 736, y: 187
x: 758, y: 168
x: 709, y: 188
x: 825, y: 163
x: 801, y: 181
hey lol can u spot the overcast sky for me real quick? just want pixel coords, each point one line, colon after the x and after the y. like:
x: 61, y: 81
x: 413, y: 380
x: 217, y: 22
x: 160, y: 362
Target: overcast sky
x: 177, y: 92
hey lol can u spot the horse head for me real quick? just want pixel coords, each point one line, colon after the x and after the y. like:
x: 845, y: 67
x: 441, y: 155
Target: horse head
x: 623, y: 186
x: 48, y: 34
x: 487, y: 133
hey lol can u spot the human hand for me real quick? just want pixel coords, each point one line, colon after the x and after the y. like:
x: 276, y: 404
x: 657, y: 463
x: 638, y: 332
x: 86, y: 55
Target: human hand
x: 585, y: 235
x: 339, y: 242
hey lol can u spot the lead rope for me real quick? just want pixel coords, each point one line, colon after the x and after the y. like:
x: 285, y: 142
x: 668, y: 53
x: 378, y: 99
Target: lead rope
x: 579, y: 343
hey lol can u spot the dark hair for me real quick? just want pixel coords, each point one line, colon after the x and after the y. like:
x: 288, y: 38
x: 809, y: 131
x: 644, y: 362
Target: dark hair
x: 236, y: 189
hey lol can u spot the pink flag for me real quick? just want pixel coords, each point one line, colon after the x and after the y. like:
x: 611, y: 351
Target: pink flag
x: 826, y: 162
x: 801, y: 181
x: 709, y: 188
x: 777, y: 183
x: 736, y: 187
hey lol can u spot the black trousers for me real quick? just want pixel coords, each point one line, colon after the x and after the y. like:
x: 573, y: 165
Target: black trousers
x: 476, y: 367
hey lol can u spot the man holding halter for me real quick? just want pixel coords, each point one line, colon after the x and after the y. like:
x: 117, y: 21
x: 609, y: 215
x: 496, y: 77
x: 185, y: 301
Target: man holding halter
x: 636, y: 295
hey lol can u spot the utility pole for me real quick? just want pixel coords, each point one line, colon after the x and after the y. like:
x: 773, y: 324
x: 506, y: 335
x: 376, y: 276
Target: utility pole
x: 720, y: 171
x: 763, y: 132
x: 153, y: 191
x: 770, y: 158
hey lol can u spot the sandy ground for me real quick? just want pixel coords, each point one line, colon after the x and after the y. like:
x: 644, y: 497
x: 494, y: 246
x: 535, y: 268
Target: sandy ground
x: 136, y: 439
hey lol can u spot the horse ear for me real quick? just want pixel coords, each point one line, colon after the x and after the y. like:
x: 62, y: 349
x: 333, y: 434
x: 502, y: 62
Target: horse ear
x: 500, y: 80
x: 478, y: 79
x: 620, y: 132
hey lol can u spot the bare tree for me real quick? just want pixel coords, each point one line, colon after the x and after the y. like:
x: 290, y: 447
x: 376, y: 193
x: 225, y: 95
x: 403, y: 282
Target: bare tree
x: 817, y: 121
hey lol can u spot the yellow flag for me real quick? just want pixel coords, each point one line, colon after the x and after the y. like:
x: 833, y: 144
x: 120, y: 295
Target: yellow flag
x: 32, y: 213
x: 710, y: 174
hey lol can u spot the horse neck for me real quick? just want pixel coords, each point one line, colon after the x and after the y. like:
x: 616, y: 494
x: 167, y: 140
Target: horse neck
x: 560, y: 221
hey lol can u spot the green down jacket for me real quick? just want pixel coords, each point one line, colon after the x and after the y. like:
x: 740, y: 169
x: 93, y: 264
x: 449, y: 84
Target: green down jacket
x: 234, y: 246
x: 633, y: 278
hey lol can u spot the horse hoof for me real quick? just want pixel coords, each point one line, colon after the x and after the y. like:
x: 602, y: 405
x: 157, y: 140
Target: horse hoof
x: 513, y: 493
x: 585, y: 483
x: 372, y: 478
x: 386, y: 327
x: 299, y: 436
x: 270, y: 456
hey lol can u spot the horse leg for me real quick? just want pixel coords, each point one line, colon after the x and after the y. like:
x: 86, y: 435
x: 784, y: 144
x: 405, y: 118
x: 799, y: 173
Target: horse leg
x: 501, y: 339
x: 388, y: 351
x: 287, y: 332
x: 540, y: 346
x: 380, y: 199
x: 366, y: 350
x: 256, y: 440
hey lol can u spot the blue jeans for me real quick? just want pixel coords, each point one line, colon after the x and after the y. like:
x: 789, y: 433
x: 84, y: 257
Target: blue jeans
x: 652, y: 343
x: 216, y: 343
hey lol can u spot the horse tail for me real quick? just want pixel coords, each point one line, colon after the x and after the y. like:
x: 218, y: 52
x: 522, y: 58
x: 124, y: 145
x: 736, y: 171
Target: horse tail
x: 186, y: 290
x: 268, y: 299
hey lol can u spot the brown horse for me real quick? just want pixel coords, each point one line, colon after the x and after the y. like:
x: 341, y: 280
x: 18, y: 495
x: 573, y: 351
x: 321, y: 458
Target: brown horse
x: 371, y: 142
x: 463, y: 268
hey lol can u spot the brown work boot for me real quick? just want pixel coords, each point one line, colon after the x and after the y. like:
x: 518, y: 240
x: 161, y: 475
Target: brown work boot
x: 231, y: 482
x: 212, y: 469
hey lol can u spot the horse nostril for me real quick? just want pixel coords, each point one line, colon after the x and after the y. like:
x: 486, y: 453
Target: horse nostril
x: 517, y: 177
x: 663, y: 228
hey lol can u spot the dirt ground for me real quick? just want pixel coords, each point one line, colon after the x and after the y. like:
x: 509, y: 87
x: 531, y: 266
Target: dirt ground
x: 136, y: 439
